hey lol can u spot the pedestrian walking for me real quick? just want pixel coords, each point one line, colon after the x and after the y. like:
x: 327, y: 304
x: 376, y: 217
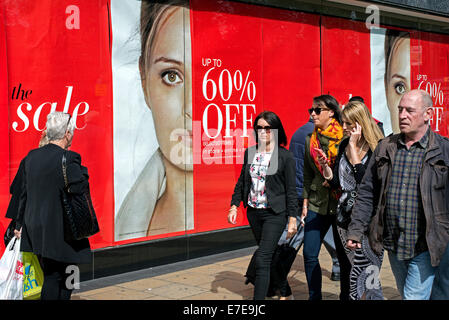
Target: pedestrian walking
x: 266, y: 187
x: 361, y: 137
x: 40, y: 213
x: 320, y: 202
x: 297, y: 147
x: 402, y: 202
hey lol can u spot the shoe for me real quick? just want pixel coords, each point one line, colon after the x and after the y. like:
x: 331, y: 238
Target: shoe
x: 335, y: 276
x: 287, y: 298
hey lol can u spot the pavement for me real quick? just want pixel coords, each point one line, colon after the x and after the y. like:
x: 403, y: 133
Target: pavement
x: 215, y: 277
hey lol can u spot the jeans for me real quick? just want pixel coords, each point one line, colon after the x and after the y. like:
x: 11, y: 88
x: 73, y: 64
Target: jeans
x: 414, y: 277
x: 315, y: 229
x: 440, y: 288
x: 267, y: 228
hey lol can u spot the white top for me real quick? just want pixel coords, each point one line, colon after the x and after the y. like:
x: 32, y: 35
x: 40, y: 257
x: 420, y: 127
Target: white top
x: 257, y: 197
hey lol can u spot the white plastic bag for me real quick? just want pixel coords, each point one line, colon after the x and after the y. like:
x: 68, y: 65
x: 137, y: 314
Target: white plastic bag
x: 11, y: 272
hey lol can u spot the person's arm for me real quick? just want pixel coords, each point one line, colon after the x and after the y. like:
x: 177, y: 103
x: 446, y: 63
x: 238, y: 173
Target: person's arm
x: 77, y: 175
x: 322, y: 159
x: 359, y: 169
x: 238, y: 190
x: 291, y: 195
x: 308, y: 174
x: 364, y: 205
x: 22, y: 203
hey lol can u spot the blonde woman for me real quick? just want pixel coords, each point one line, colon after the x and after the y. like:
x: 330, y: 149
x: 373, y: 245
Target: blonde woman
x: 362, y: 135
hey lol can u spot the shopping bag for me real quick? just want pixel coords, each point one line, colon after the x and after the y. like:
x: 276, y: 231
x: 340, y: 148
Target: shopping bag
x: 33, y: 277
x: 11, y: 272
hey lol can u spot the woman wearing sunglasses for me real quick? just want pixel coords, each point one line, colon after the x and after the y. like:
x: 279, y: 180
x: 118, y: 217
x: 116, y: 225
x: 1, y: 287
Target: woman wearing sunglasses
x: 320, y: 202
x: 354, y: 153
x: 267, y: 188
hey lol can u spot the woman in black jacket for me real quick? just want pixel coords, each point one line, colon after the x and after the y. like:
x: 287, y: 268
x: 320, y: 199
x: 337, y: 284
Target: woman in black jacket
x: 16, y: 190
x: 267, y: 188
x: 40, y: 213
x: 354, y: 153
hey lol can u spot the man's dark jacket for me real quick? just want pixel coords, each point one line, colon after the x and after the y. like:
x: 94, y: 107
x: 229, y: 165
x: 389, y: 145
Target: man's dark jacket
x: 369, y: 210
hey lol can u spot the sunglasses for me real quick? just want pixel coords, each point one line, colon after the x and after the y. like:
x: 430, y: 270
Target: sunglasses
x: 317, y: 110
x: 267, y: 128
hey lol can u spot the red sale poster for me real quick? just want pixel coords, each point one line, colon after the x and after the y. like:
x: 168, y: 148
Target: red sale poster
x: 346, y: 59
x: 430, y: 72
x: 60, y: 64
x: 4, y: 136
x: 265, y: 60
x: 165, y: 96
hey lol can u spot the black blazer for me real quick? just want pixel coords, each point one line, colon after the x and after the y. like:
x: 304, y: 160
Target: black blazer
x: 15, y: 190
x: 40, y: 208
x: 280, y: 183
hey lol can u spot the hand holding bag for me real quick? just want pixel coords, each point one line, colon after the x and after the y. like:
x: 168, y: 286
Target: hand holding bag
x: 11, y: 272
x: 80, y: 220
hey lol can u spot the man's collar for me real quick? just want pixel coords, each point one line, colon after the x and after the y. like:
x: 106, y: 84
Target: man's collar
x: 423, y: 142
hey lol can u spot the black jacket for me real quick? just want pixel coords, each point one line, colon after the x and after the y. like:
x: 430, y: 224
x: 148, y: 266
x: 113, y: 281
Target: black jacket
x: 15, y: 189
x: 280, y: 182
x: 40, y: 209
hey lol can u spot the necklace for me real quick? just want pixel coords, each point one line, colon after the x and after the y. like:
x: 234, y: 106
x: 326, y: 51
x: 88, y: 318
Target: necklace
x: 361, y: 148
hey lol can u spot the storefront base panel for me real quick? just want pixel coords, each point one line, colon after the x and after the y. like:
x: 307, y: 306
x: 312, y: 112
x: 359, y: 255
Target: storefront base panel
x: 113, y: 261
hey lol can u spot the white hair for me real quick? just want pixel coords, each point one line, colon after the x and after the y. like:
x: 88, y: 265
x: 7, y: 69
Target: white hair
x: 58, y: 124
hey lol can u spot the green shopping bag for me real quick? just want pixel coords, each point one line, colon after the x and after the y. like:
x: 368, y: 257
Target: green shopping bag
x: 33, y: 276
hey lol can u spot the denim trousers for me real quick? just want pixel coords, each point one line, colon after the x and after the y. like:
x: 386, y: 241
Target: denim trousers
x: 440, y: 288
x: 414, y: 277
x: 315, y: 229
x: 267, y: 228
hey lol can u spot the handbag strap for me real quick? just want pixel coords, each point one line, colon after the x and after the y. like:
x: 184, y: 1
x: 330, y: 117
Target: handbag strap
x: 64, y: 170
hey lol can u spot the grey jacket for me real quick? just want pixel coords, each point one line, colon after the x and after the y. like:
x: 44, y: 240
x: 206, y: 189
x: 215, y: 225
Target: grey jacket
x: 369, y: 210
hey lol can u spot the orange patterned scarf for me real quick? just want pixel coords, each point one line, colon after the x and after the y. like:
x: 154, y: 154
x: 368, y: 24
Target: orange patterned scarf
x: 334, y: 133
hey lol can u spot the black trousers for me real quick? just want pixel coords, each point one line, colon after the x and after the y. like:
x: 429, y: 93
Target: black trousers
x: 267, y: 228
x: 55, y: 276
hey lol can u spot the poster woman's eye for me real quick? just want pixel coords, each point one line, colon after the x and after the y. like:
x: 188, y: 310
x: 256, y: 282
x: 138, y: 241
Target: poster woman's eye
x: 400, y: 88
x: 171, y: 77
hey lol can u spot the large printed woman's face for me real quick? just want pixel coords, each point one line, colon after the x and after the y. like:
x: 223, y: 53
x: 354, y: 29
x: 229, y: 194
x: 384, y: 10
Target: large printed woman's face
x: 398, y: 79
x: 168, y: 87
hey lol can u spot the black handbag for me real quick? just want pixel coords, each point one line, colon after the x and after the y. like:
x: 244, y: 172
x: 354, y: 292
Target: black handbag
x: 80, y: 220
x: 344, y: 210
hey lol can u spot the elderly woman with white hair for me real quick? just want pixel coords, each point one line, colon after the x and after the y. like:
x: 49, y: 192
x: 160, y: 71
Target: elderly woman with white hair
x: 40, y: 214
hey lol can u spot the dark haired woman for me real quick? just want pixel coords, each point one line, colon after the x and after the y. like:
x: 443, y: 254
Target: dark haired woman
x: 320, y: 201
x: 267, y: 188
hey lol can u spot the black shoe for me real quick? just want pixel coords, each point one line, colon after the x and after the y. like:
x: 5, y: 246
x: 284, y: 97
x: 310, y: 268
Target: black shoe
x: 335, y: 276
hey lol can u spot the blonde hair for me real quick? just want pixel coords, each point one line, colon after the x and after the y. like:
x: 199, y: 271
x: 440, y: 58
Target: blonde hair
x: 356, y: 111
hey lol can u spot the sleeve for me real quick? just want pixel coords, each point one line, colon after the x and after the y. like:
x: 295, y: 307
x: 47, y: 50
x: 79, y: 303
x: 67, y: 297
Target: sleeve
x: 16, y: 190
x: 22, y: 199
x: 364, y: 205
x: 307, y: 172
x: 359, y: 169
x: 335, y: 181
x: 238, y: 189
x: 290, y: 185
x: 77, y: 175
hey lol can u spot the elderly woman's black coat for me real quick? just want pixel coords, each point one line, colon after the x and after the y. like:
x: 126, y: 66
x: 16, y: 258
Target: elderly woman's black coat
x: 40, y: 208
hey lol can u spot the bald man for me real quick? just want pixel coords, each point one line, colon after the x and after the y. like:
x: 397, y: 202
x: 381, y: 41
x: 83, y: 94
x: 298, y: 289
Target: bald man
x: 403, y: 203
